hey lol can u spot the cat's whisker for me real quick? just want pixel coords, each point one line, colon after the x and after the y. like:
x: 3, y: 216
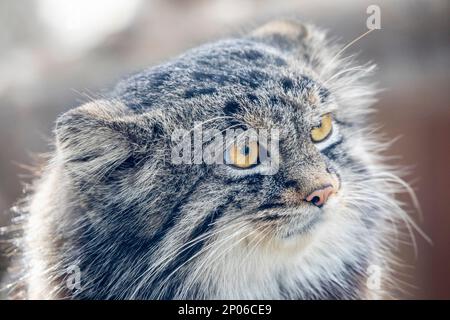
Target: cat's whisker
x: 336, y: 56
x: 159, y: 265
x: 217, y: 258
x: 201, y: 252
x: 262, y: 235
x: 386, y: 206
x: 212, y: 258
x: 402, y: 214
x: 406, y: 186
x: 363, y: 69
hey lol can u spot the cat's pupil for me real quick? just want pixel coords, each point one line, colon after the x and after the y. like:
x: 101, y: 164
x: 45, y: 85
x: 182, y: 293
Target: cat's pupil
x: 245, y: 150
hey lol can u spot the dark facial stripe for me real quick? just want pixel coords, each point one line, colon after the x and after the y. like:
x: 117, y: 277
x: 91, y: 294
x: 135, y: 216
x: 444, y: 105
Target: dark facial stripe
x: 126, y: 246
x: 330, y: 151
x: 173, y: 216
x: 273, y: 205
x: 343, y: 123
x: 269, y: 218
x: 172, y: 285
x: 343, y: 158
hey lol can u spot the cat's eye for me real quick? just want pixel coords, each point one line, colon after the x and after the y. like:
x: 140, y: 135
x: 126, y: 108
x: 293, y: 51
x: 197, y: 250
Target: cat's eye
x: 323, y: 130
x: 242, y: 156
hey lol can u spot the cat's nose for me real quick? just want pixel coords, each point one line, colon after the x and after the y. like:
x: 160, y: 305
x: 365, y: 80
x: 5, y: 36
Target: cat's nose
x: 320, y: 196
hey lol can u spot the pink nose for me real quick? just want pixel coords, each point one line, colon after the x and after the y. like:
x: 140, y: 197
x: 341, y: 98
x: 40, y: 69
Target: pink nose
x: 320, y: 196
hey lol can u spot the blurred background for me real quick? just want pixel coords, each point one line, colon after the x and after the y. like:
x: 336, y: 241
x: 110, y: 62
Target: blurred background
x: 53, y: 52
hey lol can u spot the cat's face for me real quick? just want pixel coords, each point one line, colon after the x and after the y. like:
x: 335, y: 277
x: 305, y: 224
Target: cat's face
x: 242, y: 85
x: 289, y: 196
x: 316, y: 161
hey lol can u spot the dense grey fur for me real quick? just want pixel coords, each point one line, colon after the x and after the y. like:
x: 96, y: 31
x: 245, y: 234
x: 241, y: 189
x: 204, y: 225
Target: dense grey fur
x: 111, y: 203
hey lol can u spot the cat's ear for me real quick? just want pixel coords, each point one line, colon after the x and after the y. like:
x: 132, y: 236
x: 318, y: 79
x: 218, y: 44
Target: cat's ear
x: 303, y: 41
x: 101, y: 133
x: 289, y: 30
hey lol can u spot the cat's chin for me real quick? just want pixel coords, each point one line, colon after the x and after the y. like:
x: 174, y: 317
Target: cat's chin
x: 293, y: 243
x: 296, y: 232
x: 301, y: 228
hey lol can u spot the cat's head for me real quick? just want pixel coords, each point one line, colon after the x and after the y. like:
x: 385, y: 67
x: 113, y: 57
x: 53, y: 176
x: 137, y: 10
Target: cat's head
x: 118, y: 152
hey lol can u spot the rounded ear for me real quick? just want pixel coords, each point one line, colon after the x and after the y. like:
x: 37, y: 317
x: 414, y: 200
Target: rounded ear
x: 102, y: 135
x: 90, y: 131
x: 303, y: 41
x: 289, y: 29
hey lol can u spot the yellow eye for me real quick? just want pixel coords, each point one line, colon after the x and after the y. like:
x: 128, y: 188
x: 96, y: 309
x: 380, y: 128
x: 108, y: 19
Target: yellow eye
x: 322, y: 131
x: 243, y: 155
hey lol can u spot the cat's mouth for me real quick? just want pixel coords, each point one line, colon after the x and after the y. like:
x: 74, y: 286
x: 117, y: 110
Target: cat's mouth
x: 303, y: 227
x: 289, y: 221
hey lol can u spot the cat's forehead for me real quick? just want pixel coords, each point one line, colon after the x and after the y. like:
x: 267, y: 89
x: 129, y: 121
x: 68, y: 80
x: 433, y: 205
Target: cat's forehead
x: 233, y: 76
x: 252, y: 69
